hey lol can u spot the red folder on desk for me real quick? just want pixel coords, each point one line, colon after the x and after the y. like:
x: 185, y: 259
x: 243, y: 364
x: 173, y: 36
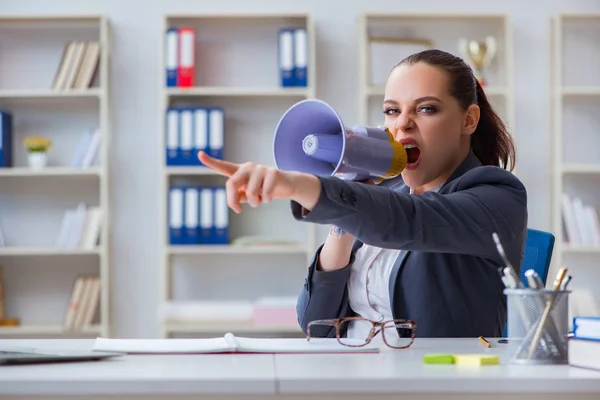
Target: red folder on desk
x: 228, y: 344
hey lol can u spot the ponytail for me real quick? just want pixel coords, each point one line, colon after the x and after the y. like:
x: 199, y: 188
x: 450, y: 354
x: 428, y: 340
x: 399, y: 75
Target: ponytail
x: 491, y: 142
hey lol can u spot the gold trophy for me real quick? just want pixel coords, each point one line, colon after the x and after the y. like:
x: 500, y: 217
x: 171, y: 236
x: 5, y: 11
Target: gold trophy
x: 479, y: 54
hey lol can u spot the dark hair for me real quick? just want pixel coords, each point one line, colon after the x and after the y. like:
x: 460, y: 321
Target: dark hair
x: 491, y: 142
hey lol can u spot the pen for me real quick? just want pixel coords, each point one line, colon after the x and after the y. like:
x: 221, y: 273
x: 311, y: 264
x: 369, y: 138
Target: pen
x: 564, y: 286
x: 533, y: 279
x: 535, y: 282
x: 485, y: 342
x: 509, y: 270
x: 538, y: 333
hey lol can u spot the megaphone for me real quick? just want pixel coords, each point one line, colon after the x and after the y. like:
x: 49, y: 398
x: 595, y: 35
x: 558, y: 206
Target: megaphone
x: 310, y: 137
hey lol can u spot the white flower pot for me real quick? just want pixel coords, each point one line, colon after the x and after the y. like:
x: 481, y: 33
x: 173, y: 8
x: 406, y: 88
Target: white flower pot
x: 37, y: 160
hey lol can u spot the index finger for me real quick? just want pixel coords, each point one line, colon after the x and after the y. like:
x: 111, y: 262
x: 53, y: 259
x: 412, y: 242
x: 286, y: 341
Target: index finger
x: 223, y: 167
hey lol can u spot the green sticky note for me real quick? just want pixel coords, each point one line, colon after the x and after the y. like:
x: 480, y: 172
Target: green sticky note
x: 438, y: 359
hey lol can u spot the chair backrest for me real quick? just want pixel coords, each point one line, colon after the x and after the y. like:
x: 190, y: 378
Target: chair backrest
x: 538, y: 254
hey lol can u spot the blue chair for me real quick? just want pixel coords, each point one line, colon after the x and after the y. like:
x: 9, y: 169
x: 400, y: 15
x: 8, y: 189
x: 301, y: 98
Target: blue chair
x: 538, y: 254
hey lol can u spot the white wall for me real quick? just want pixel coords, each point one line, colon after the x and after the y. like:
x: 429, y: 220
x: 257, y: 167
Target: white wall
x: 135, y: 70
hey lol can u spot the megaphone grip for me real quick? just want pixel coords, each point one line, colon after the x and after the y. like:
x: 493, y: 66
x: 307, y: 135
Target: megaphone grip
x: 326, y: 148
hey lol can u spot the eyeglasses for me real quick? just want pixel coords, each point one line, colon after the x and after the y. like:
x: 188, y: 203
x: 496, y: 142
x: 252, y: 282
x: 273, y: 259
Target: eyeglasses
x: 405, y: 329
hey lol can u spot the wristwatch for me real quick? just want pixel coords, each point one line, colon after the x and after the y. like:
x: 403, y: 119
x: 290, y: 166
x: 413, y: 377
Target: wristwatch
x: 336, y: 232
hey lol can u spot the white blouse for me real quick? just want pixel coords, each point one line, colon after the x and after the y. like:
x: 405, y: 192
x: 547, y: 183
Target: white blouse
x: 368, y: 287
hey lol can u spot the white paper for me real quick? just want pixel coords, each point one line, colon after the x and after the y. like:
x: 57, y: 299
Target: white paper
x: 162, y: 346
x: 229, y: 343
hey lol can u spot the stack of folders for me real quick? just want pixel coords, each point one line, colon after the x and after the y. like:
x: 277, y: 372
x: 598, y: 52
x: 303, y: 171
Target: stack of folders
x: 198, y: 215
x: 6, y: 140
x: 293, y: 57
x: 584, y: 345
x: 191, y: 129
x: 180, y: 57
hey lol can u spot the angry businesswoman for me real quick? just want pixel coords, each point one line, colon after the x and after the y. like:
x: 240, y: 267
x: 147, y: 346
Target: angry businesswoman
x: 417, y: 247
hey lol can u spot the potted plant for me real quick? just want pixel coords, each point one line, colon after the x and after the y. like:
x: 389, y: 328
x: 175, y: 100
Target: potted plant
x: 37, y: 151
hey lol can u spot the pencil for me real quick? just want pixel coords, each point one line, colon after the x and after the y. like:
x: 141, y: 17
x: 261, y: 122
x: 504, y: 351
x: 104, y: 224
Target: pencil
x: 485, y: 342
x: 538, y: 333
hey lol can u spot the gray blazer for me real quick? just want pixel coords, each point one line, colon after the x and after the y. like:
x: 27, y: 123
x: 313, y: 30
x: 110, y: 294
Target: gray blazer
x: 446, y: 278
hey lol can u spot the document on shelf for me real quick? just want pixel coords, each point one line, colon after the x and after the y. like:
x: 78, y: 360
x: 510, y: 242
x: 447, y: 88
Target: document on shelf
x: 230, y: 344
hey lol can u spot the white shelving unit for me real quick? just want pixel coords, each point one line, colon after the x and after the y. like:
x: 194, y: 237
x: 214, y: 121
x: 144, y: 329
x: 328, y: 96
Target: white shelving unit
x: 575, y: 111
x: 38, y: 276
x: 441, y: 31
x: 236, y: 69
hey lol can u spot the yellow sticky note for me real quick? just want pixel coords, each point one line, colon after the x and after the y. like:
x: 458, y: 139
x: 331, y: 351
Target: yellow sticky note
x: 476, y: 359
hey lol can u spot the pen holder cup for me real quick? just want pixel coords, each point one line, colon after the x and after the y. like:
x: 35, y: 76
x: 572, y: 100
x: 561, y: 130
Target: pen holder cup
x: 538, y: 326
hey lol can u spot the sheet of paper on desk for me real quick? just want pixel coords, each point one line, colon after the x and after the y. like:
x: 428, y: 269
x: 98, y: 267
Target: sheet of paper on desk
x: 227, y: 344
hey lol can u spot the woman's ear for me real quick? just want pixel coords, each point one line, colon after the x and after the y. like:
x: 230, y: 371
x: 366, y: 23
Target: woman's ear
x: 471, y: 119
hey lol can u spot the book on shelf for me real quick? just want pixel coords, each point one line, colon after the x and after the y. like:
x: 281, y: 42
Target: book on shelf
x: 293, y: 57
x: 581, y: 225
x: 78, y: 65
x: 83, y: 303
x: 198, y: 215
x: 263, y: 312
x: 180, y: 56
x: 193, y: 129
x: 80, y: 227
x: 87, y: 151
x: 6, y: 138
x: 230, y: 343
x: 2, y: 241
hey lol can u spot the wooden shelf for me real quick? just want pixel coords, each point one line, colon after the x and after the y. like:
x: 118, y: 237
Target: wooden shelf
x: 191, y: 170
x: 580, y: 168
x: 580, y: 91
x: 35, y: 200
x: 253, y: 102
x: 490, y: 91
x: 45, y: 251
x: 47, y: 330
x: 234, y: 326
x: 239, y: 92
x: 50, y: 171
x: 443, y: 30
x: 49, y: 93
x: 582, y: 249
x: 234, y: 249
x: 575, y: 161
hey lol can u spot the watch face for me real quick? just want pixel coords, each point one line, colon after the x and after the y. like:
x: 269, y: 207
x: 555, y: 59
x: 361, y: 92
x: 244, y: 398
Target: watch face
x: 337, y: 232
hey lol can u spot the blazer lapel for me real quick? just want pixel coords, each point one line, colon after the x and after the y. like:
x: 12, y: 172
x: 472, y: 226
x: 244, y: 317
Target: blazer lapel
x: 469, y: 163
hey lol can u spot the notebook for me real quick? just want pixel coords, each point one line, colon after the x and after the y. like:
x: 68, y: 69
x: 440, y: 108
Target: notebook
x: 231, y: 344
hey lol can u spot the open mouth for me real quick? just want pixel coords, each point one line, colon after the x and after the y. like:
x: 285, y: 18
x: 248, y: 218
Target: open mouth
x: 413, y: 153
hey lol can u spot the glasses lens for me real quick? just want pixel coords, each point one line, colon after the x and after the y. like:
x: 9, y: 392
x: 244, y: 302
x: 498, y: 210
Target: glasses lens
x: 357, y: 332
x: 399, y: 333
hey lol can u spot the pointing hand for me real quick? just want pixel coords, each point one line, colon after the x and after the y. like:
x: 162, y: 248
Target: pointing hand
x: 251, y: 183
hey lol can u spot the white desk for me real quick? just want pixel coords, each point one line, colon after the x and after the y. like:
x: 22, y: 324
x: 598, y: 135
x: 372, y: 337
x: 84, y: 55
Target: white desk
x: 390, y: 374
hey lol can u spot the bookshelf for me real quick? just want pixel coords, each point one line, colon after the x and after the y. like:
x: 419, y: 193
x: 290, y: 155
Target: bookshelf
x: 38, y: 271
x: 385, y: 39
x: 211, y: 289
x: 575, y: 122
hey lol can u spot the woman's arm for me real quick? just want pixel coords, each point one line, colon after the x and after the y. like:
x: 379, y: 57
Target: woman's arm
x: 485, y: 200
x: 324, y: 295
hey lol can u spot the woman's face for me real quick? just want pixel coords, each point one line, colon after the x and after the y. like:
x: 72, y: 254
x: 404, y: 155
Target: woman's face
x: 421, y: 114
